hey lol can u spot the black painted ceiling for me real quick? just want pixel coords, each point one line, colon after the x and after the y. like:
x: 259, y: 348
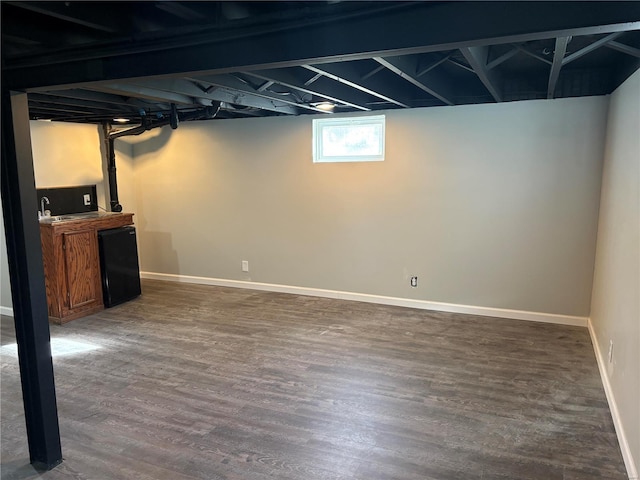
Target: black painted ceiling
x: 92, y: 62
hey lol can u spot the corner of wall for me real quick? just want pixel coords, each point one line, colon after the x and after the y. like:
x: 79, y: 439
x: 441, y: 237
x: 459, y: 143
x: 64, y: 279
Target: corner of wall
x: 627, y: 454
x: 615, y: 306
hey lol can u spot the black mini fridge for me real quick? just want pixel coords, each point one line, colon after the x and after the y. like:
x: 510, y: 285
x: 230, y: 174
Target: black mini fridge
x: 119, y: 265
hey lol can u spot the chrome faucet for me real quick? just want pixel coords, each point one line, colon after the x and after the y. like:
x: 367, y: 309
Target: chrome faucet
x: 43, y: 212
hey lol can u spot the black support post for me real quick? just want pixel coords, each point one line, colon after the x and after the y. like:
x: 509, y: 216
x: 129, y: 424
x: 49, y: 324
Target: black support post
x: 19, y: 206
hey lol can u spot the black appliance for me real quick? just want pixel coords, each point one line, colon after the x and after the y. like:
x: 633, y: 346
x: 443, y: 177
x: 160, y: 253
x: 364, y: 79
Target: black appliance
x: 119, y: 264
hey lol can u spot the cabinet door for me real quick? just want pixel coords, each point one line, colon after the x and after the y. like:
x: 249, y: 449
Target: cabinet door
x: 80, y: 258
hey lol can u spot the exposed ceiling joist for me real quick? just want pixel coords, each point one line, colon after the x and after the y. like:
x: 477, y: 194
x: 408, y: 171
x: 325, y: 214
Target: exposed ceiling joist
x: 73, y: 102
x: 370, y: 74
x: 461, y: 65
x: 193, y: 54
x: 180, y: 10
x: 14, y: 33
x: 533, y: 55
x: 316, y: 77
x: 415, y: 28
x: 79, y: 13
x: 404, y: 69
x: 19, y: 38
x: 590, y: 48
x: 426, y: 69
x: 68, y: 110
x: 337, y: 95
x: 635, y: 52
x: 502, y: 58
x: 188, y: 88
x: 99, y: 97
x: 144, y: 91
x: 234, y: 84
x: 477, y: 58
x: 558, y: 58
x: 342, y: 74
x: 266, y: 85
x: 60, y: 116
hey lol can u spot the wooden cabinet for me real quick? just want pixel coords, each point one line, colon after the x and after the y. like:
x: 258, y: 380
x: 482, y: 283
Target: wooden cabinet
x: 72, y: 264
x: 81, y: 268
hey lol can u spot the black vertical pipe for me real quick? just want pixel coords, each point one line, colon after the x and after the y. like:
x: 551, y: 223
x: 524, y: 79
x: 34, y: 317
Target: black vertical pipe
x: 111, y: 159
x: 24, y: 253
x: 114, y: 203
x: 113, y: 179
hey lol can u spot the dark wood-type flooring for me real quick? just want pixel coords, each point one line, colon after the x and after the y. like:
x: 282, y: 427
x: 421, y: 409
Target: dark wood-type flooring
x: 198, y: 382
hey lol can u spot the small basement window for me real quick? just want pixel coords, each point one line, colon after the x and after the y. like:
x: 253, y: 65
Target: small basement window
x: 352, y: 139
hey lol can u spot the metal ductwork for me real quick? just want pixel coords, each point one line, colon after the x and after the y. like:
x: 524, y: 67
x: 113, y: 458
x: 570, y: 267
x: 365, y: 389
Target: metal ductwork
x: 111, y: 158
x: 175, y: 117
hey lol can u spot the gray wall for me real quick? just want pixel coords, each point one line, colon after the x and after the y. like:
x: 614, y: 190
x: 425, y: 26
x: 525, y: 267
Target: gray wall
x: 489, y: 205
x: 615, y: 311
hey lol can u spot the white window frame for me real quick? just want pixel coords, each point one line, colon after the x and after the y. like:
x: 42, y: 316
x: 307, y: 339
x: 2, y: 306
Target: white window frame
x: 320, y: 124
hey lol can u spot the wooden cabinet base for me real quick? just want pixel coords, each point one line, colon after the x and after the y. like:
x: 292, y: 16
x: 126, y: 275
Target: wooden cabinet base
x: 72, y: 265
x: 76, y: 314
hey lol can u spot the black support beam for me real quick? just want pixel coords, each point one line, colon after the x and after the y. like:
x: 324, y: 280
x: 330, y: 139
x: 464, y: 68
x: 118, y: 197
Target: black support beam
x: 24, y: 253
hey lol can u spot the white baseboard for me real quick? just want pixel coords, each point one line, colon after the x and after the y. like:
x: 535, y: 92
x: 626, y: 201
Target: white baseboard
x: 632, y: 469
x: 6, y: 311
x: 363, y: 297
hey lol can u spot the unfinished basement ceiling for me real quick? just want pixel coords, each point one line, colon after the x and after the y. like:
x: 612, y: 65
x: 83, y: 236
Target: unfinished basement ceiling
x: 91, y: 62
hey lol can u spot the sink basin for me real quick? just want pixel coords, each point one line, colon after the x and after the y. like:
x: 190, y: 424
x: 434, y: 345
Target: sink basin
x: 73, y: 216
x: 80, y: 215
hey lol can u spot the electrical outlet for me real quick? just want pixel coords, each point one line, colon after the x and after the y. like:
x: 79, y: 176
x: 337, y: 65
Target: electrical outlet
x: 245, y: 266
x: 414, y: 281
x: 610, y: 351
x: 87, y: 199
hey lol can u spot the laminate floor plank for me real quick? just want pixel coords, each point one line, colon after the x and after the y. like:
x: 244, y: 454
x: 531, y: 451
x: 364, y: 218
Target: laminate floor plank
x: 200, y: 382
